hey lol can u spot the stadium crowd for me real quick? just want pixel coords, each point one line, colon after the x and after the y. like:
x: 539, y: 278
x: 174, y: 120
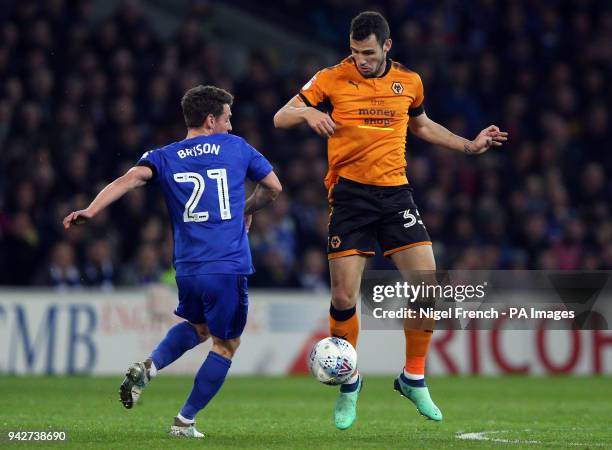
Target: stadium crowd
x: 81, y: 100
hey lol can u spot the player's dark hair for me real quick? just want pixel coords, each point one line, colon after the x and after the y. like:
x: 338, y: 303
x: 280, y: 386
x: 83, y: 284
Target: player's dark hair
x: 367, y: 23
x: 200, y: 101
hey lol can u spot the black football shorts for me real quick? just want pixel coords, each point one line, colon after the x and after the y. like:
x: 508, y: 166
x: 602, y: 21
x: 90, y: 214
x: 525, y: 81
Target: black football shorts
x: 362, y: 215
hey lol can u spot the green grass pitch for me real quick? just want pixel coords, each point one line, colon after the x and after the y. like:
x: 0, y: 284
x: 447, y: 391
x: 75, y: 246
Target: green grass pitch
x: 296, y: 413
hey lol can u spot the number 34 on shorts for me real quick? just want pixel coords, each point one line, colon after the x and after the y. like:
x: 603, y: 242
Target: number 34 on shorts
x: 412, y: 216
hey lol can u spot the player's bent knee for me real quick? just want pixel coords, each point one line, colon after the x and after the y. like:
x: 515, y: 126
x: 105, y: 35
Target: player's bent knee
x: 341, y: 300
x: 225, y: 347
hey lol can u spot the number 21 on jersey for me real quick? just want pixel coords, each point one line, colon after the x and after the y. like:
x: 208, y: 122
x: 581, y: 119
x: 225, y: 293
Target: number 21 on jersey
x: 220, y: 175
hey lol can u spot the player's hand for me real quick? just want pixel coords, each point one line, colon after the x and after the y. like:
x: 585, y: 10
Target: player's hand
x: 320, y: 122
x: 490, y: 136
x: 248, y: 220
x: 77, y: 218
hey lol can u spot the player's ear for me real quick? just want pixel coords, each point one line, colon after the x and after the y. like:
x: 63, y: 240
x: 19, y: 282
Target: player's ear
x: 209, y: 121
x: 387, y: 45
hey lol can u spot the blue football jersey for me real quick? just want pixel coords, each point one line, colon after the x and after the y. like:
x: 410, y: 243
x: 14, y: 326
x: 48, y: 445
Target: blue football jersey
x: 202, y: 180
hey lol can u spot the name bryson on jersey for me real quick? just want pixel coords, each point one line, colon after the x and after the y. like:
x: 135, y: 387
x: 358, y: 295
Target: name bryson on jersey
x: 200, y: 149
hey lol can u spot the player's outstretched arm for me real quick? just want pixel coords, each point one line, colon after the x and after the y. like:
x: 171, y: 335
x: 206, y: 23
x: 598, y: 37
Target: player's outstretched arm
x: 133, y: 178
x: 296, y: 112
x: 266, y: 191
x: 425, y: 128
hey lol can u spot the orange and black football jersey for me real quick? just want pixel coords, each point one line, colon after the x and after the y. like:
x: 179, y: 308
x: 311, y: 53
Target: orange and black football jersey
x: 371, y: 116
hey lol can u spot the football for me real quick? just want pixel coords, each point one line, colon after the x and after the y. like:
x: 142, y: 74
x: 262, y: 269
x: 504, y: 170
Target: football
x: 332, y: 361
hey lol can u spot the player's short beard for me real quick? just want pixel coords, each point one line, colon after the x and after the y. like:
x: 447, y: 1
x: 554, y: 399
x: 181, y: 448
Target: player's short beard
x: 376, y: 73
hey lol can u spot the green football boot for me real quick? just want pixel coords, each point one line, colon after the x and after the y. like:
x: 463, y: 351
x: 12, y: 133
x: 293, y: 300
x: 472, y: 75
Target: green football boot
x: 346, y: 407
x: 420, y: 397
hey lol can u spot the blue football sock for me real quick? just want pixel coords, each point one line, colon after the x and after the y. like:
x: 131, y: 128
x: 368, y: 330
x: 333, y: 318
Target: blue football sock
x: 207, y: 383
x: 180, y: 338
x: 413, y: 383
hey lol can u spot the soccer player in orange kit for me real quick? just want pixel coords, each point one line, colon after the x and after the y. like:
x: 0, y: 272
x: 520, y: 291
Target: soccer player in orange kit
x: 371, y: 102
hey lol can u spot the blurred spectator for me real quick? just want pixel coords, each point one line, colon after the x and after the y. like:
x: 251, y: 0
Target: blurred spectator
x: 313, y: 272
x: 21, y: 250
x: 100, y: 270
x: 271, y: 271
x: 146, y: 267
x: 62, y: 272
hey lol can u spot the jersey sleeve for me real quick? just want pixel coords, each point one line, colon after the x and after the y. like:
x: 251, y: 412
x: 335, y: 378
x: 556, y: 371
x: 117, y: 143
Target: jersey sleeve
x: 152, y: 160
x: 418, y: 107
x: 316, y: 90
x: 258, y: 166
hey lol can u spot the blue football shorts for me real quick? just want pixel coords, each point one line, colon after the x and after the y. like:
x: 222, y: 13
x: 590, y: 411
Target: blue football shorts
x: 221, y: 301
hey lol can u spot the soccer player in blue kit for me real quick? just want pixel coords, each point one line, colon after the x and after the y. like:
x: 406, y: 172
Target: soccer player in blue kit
x: 202, y: 179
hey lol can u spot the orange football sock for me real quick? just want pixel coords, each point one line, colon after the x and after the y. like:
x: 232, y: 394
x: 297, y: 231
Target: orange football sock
x: 417, y: 346
x: 344, y: 324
